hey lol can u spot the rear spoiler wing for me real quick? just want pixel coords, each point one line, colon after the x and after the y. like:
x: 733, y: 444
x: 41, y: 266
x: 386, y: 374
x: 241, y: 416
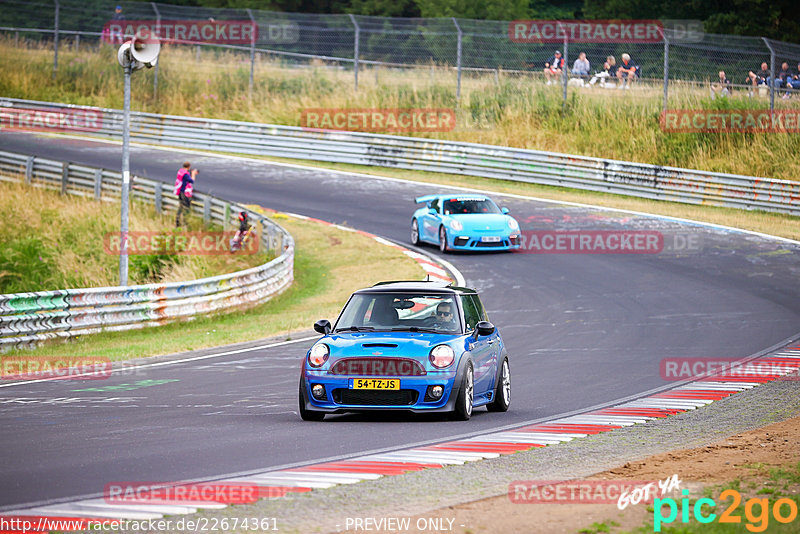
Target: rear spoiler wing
x: 426, y: 199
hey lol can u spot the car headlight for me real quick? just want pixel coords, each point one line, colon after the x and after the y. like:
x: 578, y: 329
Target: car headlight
x: 455, y: 225
x: 513, y: 224
x: 319, y: 354
x: 441, y: 356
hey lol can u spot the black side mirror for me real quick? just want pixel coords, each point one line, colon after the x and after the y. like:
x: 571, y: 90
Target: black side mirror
x: 484, y: 328
x: 323, y: 326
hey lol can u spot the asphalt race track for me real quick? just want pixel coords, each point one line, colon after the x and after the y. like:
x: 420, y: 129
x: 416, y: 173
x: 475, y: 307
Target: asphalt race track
x: 582, y: 329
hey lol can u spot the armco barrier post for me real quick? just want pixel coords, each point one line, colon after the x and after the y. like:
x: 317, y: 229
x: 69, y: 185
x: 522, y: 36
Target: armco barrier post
x: 29, y: 170
x: 98, y: 184
x: 157, y: 191
x: 64, y: 177
x: 206, y: 208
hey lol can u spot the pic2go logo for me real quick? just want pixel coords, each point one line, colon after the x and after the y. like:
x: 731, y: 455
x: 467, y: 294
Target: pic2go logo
x: 783, y: 510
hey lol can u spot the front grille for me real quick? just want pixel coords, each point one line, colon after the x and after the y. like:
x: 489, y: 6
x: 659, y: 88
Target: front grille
x: 377, y: 367
x: 366, y: 397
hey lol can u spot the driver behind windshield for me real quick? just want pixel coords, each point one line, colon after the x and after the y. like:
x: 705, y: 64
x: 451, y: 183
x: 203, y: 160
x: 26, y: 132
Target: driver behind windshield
x: 445, y: 316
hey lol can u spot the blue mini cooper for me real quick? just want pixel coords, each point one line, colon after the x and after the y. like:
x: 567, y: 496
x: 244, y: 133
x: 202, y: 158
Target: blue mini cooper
x: 415, y: 346
x: 464, y: 222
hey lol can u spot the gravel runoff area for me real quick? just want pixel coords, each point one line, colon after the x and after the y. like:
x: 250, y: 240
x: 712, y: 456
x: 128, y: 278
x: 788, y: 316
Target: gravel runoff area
x: 431, y: 491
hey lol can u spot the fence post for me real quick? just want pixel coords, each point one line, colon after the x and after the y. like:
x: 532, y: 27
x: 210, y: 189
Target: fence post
x: 29, y: 170
x: 771, y: 73
x: 55, y: 39
x: 155, y: 70
x: 226, y: 218
x: 564, y: 77
x: 64, y: 177
x: 252, y: 51
x: 98, y: 183
x: 206, y: 208
x: 159, y: 203
x: 77, y: 41
x: 355, y: 49
x: 666, y: 71
x: 16, y: 39
x: 458, y: 59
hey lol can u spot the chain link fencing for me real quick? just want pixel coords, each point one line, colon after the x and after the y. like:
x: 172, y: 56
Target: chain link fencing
x: 449, y: 47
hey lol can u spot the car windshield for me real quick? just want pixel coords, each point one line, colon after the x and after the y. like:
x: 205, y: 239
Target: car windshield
x: 455, y: 206
x: 389, y: 312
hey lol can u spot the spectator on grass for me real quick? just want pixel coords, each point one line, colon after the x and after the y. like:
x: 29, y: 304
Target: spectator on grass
x: 609, y: 71
x: 721, y: 87
x: 581, y: 66
x: 185, y: 192
x: 794, y: 80
x: 783, y: 77
x: 554, y: 67
x: 759, y: 78
x: 626, y: 72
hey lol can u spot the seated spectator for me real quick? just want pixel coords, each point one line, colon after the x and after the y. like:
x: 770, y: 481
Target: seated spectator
x: 581, y: 66
x: 554, y: 67
x: 722, y: 87
x: 794, y: 80
x: 609, y: 72
x: 758, y: 79
x: 783, y: 77
x: 627, y: 71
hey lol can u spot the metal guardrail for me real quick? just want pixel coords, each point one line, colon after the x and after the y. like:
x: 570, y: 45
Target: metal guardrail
x: 27, y: 318
x: 488, y: 161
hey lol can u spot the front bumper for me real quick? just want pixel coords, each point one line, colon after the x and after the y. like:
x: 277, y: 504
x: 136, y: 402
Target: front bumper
x: 467, y: 242
x: 411, y: 396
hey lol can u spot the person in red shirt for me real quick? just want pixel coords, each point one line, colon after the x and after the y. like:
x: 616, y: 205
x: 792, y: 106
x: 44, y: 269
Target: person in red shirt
x: 185, y: 192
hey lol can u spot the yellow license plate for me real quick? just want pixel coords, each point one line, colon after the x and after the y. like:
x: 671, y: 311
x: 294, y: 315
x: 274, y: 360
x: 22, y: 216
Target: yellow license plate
x: 374, y: 383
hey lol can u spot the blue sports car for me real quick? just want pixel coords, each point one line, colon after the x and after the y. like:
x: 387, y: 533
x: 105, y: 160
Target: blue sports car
x: 415, y: 346
x: 464, y: 222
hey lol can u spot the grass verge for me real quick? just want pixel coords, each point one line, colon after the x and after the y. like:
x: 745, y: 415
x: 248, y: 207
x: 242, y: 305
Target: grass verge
x: 515, y: 110
x: 49, y: 241
x: 329, y: 264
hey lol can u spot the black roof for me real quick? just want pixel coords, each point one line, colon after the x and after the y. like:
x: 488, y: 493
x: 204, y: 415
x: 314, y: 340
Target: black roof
x: 416, y: 286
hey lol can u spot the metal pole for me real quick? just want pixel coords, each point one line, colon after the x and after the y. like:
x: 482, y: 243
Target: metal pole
x: 566, y: 66
x: 771, y: 73
x: 666, y: 72
x: 458, y: 60
x: 158, y: 28
x: 355, y: 49
x: 126, y: 179
x: 55, y: 39
x: 252, y: 51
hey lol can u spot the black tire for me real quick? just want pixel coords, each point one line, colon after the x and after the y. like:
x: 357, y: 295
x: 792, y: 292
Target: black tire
x: 502, y: 391
x: 442, y: 239
x: 308, y: 415
x: 466, y: 394
x: 414, y: 232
